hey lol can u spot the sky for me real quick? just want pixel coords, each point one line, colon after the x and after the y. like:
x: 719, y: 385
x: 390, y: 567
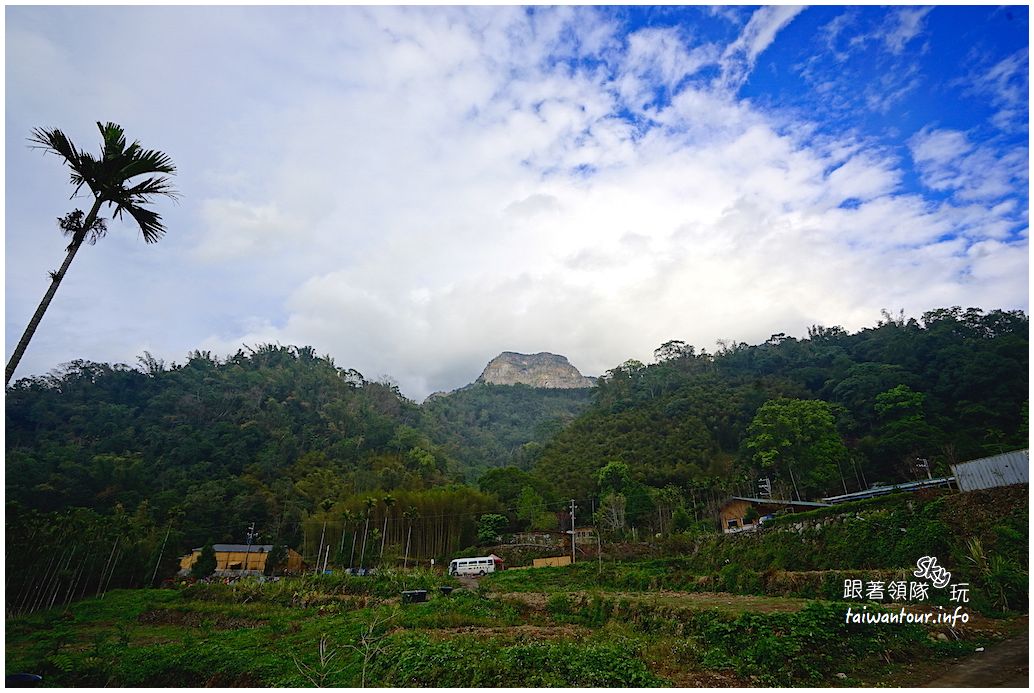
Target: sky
x: 414, y: 190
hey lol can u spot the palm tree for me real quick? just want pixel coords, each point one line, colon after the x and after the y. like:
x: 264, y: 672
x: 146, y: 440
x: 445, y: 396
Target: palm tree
x: 409, y: 515
x: 108, y: 178
x: 389, y: 501
x: 326, y: 504
x: 370, y: 503
x: 355, y: 519
x: 346, y: 519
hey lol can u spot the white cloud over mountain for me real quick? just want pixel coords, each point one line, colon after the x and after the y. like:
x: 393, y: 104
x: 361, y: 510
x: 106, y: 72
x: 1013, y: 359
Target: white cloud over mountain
x: 415, y: 190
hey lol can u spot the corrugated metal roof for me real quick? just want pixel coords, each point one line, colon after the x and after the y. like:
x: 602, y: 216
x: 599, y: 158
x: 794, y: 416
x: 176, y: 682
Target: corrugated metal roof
x: 884, y: 490
x: 776, y: 501
x: 988, y: 472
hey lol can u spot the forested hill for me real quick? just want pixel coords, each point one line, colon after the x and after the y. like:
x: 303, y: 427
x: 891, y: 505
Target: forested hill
x: 259, y: 437
x: 484, y: 426
x: 288, y: 441
x: 836, y: 410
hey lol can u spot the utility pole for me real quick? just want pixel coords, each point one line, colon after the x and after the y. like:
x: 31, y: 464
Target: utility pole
x: 247, y: 554
x: 572, y: 530
x: 765, y: 485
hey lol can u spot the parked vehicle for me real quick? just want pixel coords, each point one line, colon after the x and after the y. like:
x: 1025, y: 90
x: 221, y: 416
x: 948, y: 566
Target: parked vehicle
x: 475, y: 566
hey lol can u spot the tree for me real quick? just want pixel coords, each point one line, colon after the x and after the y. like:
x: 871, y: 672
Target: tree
x: 409, y: 515
x: 369, y: 503
x: 389, y: 501
x: 108, y: 178
x: 205, y: 564
x: 354, y: 519
x: 613, y: 477
x: 530, y: 506
x: 490, y: 526
x: 798, y: 438
x: 680, y: 520
x: 276, y: 558
x: 672, y: 350
x: 612, y: 513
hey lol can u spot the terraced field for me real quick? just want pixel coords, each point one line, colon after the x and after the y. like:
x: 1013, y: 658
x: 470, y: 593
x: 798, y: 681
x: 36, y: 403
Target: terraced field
x: 327, y: 631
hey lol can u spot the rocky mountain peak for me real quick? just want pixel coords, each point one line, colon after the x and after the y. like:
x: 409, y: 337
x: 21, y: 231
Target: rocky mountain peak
x: 537, y: 370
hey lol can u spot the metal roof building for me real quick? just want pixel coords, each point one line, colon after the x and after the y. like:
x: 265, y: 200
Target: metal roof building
x: 988, y: 472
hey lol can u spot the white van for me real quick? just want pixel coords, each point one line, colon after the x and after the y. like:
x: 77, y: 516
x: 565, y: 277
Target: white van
x: 475, y: 566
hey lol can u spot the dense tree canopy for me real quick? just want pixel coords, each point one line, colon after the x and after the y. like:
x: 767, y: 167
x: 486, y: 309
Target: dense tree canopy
x: 156, y: 460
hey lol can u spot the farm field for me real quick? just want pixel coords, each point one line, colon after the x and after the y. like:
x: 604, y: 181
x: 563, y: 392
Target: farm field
x: 341, y: 631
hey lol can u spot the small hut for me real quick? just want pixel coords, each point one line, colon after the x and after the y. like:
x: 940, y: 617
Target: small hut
x: 734, y: 512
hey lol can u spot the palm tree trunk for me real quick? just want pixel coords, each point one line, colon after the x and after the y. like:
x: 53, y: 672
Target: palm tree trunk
x: 319, y: 551
x: 405, y: 564
x: 73, y: 248
x: 384, y: 533
x: 366, y: 532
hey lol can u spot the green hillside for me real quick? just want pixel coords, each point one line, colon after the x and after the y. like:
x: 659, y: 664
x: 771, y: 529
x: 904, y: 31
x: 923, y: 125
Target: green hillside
x: 838, y: 410
x: 145, y: 463
x: 483, y: 426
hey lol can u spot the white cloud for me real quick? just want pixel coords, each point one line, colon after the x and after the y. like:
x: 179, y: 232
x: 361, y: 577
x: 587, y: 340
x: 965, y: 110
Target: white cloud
x: 739, y: 57
x: 415, y: 190
x: 948, y: 161
x: 1006, y: 84
x: 903, y: 26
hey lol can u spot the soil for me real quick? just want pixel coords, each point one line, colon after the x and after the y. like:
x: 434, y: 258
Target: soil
x: 1004, y: 664
x: 164, y: 617
x: 469, y: 582
x: 525, y: 632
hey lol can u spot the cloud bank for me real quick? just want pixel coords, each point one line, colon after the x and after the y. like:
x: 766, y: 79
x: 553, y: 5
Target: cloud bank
x: 414, y: 191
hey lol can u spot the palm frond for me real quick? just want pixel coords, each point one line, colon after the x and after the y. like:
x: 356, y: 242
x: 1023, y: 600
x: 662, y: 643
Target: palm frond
x: 108, y: 175
x: 53, y: 141
x: 150, y: 222
x: 147, y: 161
x: 114, y: 139
x: 157, y: 185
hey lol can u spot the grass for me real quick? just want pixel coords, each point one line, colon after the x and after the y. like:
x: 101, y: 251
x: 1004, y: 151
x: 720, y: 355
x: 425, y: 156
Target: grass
x: 169, y: 637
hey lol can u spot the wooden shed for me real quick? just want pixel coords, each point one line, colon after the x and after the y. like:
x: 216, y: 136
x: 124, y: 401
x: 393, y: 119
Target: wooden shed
x: 733, y: 511
x: 240, y: 559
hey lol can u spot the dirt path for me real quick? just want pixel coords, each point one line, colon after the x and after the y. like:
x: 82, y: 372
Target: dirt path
x: 1003, y: 664
x: 468, y: 581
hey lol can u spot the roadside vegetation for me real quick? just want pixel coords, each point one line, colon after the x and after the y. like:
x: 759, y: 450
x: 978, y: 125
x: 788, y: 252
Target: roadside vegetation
x: 689, y: 619
x: 188, y: 637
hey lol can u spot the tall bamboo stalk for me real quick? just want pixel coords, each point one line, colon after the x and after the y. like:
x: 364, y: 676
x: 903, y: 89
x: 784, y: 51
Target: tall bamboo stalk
x: 100, y: 582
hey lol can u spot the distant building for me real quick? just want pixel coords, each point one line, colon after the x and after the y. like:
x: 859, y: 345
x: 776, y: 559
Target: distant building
x: 584, y: 535
x: 733, y: 512
x: 988, y: 472
x: 240, y: 559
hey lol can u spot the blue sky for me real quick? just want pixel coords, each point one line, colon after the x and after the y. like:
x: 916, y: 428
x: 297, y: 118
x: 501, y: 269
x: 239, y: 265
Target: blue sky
x: 414, y: 190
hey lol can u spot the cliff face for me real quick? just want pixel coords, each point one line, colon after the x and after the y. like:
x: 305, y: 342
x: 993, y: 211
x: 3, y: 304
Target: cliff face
x: 537, y: 370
